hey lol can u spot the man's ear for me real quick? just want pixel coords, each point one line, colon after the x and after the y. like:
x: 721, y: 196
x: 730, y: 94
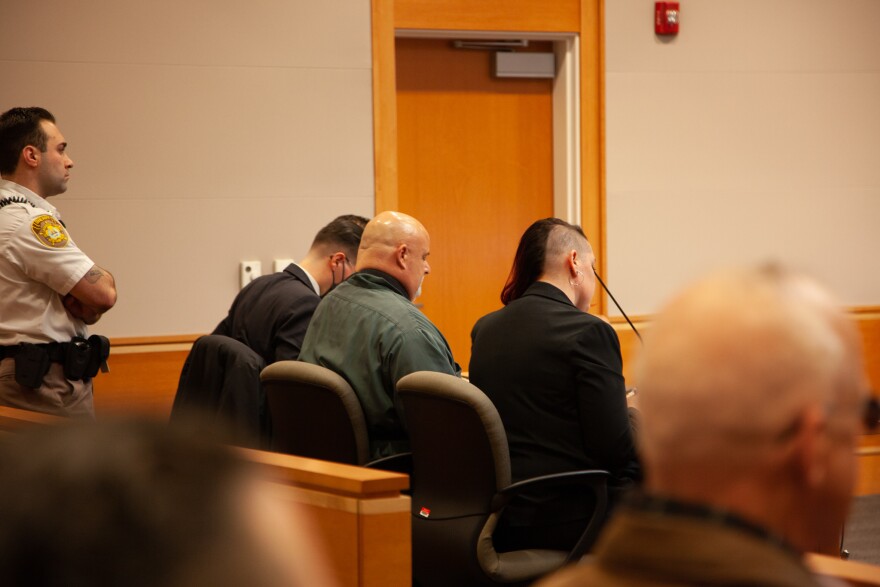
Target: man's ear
x: 31, y: 156
x: 402, y: 254
x: 571, y: 262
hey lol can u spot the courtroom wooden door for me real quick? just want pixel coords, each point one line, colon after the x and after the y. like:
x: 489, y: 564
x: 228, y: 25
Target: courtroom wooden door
x: 475, y: 164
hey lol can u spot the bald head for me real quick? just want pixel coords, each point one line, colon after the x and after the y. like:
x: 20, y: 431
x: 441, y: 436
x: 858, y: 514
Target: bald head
x: 399, y: 245
x: 742, y: 376
x: 747, y: 351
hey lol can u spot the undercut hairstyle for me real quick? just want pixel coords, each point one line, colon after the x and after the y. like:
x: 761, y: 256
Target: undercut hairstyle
x: 550, y: 236
x: 20, y: 127
x: 344, y: 232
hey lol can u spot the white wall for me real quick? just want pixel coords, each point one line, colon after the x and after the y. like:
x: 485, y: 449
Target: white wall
x: 755, y: 134
x: 203, y: 133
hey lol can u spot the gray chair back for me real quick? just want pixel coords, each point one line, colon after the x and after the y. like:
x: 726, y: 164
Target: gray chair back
x: 314, y: 413
x: 460, y: 462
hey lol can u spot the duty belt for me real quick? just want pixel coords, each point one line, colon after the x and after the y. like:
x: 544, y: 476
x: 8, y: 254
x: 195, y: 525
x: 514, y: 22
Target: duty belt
x: 82, y: 359
x: 57, y: 350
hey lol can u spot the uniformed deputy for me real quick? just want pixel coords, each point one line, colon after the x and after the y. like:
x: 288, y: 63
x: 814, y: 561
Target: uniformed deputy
x: 49, y: 289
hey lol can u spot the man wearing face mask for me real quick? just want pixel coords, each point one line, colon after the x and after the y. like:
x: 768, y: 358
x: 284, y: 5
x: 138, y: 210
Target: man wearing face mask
x: 271, y: 314
x: 369, y: 331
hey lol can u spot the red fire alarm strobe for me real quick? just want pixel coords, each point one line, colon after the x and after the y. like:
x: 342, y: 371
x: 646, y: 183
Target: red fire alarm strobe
x: 666, y: 18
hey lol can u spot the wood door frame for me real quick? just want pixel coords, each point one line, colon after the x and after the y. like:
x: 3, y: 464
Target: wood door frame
x: 566, y: 111
x: 578, y: 110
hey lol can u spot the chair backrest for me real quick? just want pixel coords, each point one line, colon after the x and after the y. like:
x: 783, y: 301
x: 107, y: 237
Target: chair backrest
x: 460, y: 461
x: 460, y: 453
x: 314, y: 413
x: 220, y: 383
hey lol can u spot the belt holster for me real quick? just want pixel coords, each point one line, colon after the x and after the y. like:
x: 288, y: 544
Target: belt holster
x: 76, y: 359
x: 100, y: 350
x: 31, y: 364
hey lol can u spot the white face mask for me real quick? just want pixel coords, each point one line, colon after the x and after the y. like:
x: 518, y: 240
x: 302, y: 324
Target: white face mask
x: 419, y: 290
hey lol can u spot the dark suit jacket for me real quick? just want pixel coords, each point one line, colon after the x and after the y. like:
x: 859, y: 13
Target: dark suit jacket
x: 271, y: 314
x: 555, y: 375
x: 220, y: 382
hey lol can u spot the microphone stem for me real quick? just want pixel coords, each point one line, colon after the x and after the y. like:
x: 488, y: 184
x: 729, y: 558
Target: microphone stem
x: 610, y: 295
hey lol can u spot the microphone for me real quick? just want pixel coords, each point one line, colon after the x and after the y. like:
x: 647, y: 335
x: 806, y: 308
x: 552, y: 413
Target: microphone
x: 610, y: 295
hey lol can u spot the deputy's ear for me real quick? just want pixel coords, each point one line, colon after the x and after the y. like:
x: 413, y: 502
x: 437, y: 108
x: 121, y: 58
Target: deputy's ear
x: 31, y: 156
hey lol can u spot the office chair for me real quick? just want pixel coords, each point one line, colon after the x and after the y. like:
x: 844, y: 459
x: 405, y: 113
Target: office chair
x: 461, y: 483
x: 220, y: 386
x: 315, y: 413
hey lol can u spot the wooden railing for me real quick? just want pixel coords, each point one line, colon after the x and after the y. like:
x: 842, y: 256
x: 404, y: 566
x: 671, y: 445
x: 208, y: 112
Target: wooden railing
x: 363, y: 521
x: 852, y: 573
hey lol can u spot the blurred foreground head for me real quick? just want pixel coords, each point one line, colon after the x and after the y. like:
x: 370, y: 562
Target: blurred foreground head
x: 751, y: 387
x: 138, y: 504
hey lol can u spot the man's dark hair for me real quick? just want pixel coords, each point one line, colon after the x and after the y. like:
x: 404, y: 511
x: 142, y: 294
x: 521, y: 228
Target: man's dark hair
x: 20, y: 127
x: 120, y: 503
x: 528, y: 263
x: 345, y: 232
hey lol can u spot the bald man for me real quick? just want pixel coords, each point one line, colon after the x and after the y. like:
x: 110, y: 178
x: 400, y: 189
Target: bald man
x: 751, y: 388
x: 368, y: 330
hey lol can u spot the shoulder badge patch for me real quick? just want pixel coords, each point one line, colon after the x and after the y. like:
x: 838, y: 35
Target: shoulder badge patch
x: 49, y: 231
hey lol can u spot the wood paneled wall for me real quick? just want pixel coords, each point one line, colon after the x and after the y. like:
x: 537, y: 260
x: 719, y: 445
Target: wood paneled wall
x: 868, y: 321
x: 143, y: 376
x: 144, y: 372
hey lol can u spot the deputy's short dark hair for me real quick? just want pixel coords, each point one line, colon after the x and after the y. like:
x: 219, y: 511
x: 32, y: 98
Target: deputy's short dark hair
x: 20, y: 127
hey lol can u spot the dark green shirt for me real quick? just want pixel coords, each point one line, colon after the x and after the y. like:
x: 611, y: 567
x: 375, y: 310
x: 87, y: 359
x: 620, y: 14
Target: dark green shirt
x: 369, y: 332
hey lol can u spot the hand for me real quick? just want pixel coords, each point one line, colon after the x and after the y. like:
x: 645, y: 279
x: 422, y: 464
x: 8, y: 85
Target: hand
x: 78, y: 310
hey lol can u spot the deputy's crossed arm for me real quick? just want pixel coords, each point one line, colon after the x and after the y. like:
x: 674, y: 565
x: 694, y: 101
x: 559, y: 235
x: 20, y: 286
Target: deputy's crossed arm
x: 93, y: 295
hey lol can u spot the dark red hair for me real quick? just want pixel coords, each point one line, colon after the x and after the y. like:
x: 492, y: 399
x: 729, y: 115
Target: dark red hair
x: 528, y: 263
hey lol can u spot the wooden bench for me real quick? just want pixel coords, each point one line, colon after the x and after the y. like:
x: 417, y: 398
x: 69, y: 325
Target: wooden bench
x: 852, y: 573
x: 364, y: 522
x: 360, y: 514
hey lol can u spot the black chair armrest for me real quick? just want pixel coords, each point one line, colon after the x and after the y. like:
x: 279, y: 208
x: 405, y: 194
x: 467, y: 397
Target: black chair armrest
x: 399, y: 463
x: 596, y: 479
x: 588, y: 478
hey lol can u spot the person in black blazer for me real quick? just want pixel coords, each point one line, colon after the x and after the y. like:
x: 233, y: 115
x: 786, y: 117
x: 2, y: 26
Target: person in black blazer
x: 554, y: 372
x: 271, y: 314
